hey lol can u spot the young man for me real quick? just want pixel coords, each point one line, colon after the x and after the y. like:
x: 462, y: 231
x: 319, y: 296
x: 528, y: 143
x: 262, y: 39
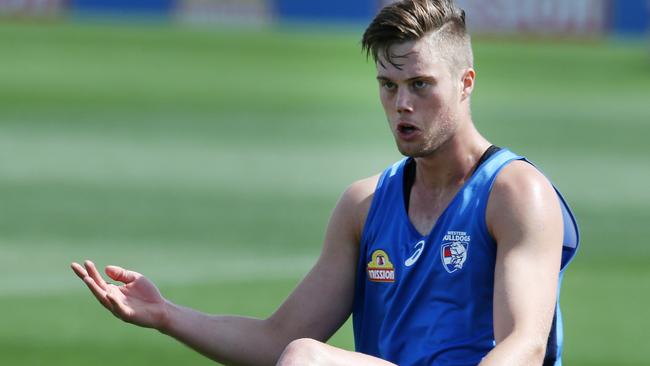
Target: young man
x: 452, y: 256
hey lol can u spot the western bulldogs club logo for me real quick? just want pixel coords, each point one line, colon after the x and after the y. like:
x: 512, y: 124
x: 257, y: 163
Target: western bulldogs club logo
x: 453, y: 251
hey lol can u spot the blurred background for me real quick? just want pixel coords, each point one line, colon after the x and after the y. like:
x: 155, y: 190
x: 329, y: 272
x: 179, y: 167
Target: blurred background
x: 204, y: 143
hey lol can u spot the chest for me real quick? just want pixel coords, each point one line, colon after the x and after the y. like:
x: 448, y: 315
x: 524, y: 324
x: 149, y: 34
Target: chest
x: 435, y: 242
x: 398, y: 253
x: 425, y: 208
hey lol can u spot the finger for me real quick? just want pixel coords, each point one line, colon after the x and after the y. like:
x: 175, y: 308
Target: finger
x: 79, y: 270
x: 119, y: 309
x: 92, y: 272
x: 121, y: 274
x: 97, y: 291
x: 100, y: 293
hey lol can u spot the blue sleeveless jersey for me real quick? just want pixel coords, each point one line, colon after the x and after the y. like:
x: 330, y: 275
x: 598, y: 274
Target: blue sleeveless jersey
x: 427, y: 300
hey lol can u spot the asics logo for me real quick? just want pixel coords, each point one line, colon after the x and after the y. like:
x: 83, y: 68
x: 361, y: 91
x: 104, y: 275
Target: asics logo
x: 419, y: 248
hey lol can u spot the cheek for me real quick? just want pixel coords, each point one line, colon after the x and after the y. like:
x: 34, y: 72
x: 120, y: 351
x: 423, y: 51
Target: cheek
x: 386, y: 101
x: 430, y: 103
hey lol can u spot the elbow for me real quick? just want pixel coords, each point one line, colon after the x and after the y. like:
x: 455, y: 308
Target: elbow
x: 521, y: 349
x: 535, y: 352
x: 538, y: 352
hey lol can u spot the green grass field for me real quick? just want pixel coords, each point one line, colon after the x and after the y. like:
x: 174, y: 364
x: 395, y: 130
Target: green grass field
x: 211, y: 159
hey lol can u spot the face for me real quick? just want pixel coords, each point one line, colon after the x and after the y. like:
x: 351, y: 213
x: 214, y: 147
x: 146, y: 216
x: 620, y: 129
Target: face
x: 423, y: 100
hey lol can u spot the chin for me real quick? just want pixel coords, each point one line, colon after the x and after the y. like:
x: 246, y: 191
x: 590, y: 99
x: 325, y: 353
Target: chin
x: 422, y: 149
x: 414, y: 151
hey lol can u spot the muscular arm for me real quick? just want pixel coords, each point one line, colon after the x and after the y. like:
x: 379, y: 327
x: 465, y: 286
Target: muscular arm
x: 316, y: 308
x: 524, y: 217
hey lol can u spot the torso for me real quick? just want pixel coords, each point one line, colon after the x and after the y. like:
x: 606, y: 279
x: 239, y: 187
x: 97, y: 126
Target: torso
x: 419, y: 273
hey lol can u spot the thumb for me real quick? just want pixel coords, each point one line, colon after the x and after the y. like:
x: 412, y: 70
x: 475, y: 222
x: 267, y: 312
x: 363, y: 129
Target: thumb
x: 120, y: 274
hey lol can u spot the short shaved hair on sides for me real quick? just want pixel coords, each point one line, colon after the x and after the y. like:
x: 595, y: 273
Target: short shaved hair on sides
x: 410, y: 20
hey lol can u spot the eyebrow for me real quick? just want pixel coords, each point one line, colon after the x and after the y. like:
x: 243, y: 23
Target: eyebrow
x: 421, y: 77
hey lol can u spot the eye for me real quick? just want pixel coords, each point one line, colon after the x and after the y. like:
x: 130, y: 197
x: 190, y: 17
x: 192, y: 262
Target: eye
x: 388, y: 85
x: 420, y: 84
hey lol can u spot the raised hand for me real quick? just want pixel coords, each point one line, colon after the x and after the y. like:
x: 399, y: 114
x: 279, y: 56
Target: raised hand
x: 138, y: 301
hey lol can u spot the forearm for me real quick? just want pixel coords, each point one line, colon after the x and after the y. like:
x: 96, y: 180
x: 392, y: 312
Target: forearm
x: 515, y: 351
x: 229, y: 340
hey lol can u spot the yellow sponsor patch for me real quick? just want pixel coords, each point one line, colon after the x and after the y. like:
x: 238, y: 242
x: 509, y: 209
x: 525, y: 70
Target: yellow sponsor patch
x: 380, y: 268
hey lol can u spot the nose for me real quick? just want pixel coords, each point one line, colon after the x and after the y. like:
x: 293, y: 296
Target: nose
x: 403, y: 101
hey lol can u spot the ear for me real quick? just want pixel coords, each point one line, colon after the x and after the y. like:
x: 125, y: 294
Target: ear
x: 468, y: 78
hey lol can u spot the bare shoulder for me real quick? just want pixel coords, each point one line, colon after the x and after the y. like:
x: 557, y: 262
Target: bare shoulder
x: 520, y: 178
x: 362, y: 190
x: 521, y: 197
x: 356, y: 200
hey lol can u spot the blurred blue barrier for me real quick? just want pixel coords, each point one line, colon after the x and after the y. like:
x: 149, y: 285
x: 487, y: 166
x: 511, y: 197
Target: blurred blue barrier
x: 123, y: 7
x: 631, y: 17
x: 573, y: 18
x: 322, y: 11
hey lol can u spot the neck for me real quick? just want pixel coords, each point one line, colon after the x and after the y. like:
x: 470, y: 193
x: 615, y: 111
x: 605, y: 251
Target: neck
x: 452, y: 164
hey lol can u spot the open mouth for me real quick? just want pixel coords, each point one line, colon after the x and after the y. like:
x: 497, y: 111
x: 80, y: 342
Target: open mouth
x: 406, y: 128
